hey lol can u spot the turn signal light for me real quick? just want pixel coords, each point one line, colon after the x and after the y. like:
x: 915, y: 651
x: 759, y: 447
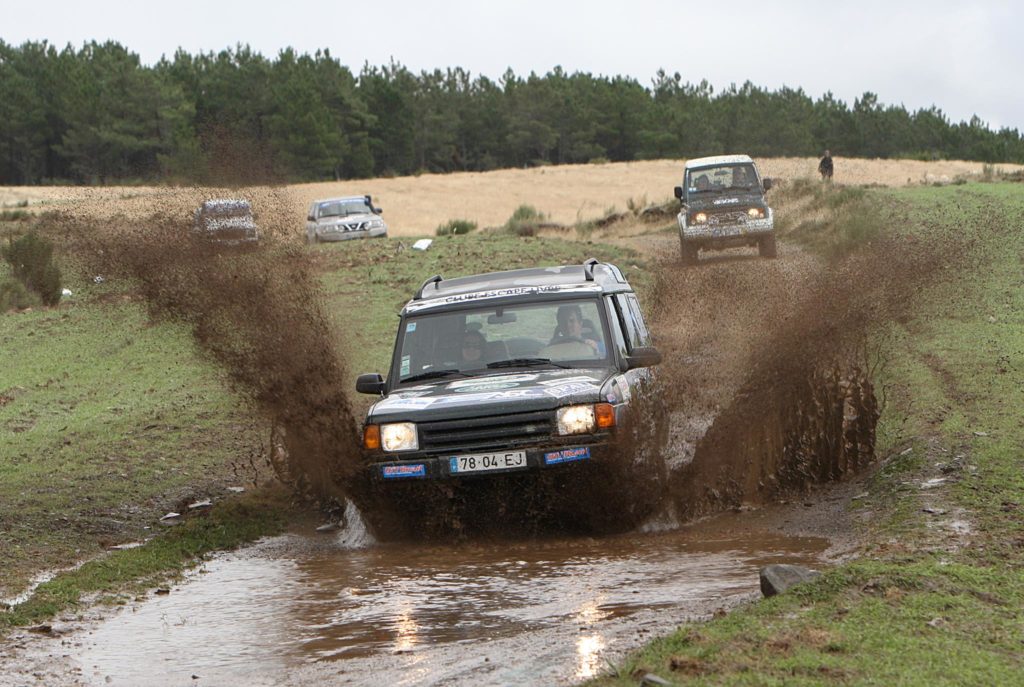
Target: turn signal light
x: 371, y: 436
x: 604, y: 413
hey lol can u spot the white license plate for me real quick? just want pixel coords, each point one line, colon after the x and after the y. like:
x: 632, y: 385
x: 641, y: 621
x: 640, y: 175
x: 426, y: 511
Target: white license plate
x: 486, y: 462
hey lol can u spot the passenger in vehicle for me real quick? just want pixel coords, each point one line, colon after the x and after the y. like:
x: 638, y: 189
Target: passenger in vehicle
x: 703, y: 184
x: 741, y: 178
x: 473, y: 343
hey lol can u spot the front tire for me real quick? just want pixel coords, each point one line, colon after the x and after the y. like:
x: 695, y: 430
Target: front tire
x: 766, y: 247
x: 690, y: 252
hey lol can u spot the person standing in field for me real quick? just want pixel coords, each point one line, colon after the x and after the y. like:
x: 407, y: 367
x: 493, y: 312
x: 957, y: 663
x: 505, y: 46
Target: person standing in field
x: 825, y: 167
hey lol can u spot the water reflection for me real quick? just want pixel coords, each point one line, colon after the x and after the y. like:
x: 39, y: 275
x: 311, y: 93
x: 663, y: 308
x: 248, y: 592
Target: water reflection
x: 588, y: 652
x: 538, y: 612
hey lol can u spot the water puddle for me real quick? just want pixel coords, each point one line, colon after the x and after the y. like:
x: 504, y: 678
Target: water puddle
x: 295, y: 609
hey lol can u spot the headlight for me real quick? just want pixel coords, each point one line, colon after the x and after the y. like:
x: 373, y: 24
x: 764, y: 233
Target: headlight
x: 575, y: 419
x: 399, y: 436
x: 756, y: 213
x: 375, y: 224
x: 700, y: 218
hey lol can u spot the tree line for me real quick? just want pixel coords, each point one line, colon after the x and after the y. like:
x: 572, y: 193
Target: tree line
x: 98, y: 115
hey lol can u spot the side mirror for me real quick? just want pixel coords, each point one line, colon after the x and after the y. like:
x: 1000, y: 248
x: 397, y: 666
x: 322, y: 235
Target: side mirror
x: 378, y: 211
x: 679, y: 192
x: 644, y: 356
x: 767, y: 183
x: 370, y: 383
x: 310, y: 218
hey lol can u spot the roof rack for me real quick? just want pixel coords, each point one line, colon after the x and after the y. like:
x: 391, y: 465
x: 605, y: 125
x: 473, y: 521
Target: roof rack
x: 435, y: 280
x: 588, y: 268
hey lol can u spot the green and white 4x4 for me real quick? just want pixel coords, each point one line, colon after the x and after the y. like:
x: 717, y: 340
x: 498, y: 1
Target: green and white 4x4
x: 509, y: 373
x: 723, y: 206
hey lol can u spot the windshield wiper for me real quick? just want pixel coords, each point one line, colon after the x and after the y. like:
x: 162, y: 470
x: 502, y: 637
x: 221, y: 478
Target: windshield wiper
x: 526, y: 362
x: 435, y: 374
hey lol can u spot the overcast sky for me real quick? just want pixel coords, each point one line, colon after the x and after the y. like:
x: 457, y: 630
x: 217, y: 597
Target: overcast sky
x: 965, y: 58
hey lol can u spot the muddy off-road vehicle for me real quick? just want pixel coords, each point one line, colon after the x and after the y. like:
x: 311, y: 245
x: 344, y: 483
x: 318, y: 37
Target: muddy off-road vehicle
x: 226, y: 221
x: 495, y: 375
x: 343, y: 219
x: 723, y: 206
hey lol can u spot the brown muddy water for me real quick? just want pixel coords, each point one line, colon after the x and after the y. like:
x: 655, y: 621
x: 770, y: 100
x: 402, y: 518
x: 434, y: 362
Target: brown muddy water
x: 347, y: 610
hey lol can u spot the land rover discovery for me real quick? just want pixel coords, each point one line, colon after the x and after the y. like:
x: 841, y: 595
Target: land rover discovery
x: 493, y: 375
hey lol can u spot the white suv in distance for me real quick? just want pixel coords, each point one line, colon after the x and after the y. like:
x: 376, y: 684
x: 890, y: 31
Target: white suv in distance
x: 341, y: 219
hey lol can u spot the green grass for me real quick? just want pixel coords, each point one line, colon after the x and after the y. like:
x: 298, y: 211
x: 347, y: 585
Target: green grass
x: 914, y: 609
x: 105, y: 419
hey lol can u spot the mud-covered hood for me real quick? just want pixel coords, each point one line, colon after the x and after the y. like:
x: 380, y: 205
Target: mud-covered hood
x: 497, y: 393
x: 726, y: 201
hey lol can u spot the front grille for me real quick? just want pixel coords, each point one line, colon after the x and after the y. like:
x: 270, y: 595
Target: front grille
x: 732, y: 217
x: 491, y: 432
x: 355, y: 226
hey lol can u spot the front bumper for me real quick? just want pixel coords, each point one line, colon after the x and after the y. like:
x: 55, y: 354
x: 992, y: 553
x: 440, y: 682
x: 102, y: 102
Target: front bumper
x: 442, y: 467
x: 727, y: 233
x: 332, y: 236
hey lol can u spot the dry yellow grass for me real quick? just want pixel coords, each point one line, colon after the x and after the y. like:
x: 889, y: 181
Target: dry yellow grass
x: 415, y: 206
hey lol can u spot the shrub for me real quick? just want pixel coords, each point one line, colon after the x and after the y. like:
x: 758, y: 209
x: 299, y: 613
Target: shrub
x: 14, y: 215
x: 31, y: 260
x: 524, y: 221
x: 454, y: 227
x: 14, y: 296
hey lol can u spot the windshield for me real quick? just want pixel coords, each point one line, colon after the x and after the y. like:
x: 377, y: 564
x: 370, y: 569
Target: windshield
x: 234, y: 208
x: 565, y: 333
x: 721, y: 178
x: 340, y: 208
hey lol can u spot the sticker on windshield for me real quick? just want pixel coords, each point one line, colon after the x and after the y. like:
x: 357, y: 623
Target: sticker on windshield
x: 410, y: 327
x: 404, y: 369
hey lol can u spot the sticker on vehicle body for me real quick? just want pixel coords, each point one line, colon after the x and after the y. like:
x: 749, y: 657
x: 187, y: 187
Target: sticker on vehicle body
x: 411, y: 402
x: 490, y: 383
x: 567, y: 455
x: 726, y: 201
x: 570, y: 388
x: 566, y: 380
x: 416, y: 470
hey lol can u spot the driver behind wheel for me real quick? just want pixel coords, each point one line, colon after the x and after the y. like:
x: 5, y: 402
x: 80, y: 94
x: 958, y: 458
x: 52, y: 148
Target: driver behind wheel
x: 570, y: 330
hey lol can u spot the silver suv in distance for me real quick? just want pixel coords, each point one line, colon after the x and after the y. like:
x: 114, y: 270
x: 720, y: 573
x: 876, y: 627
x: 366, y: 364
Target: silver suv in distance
x: 341, y: 219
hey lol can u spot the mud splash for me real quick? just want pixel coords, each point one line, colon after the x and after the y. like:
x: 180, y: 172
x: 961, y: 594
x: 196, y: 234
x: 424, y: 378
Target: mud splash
x: 258, y: 313
x: 789, y: 386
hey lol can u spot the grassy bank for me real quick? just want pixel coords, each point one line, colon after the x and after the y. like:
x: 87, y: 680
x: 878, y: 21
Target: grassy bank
x: 935, y: 597
x: 108, y: 420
